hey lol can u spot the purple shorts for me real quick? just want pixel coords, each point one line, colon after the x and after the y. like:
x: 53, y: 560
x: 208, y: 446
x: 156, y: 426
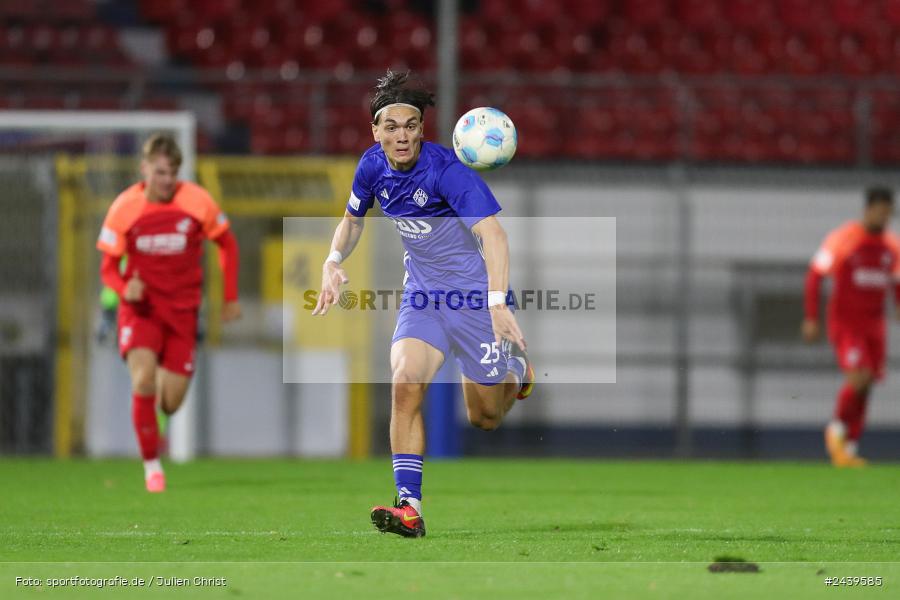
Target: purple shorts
x: 465, y: 333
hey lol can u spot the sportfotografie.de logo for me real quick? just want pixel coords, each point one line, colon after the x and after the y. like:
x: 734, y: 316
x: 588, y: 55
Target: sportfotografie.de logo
x: 528, y: 299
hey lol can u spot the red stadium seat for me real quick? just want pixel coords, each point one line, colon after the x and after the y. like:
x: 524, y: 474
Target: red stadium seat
x: 296, y: 140
x: 20, y: 11
x: 536, y: 14
x: 885, y: 127
x: 273, y: 10
x: 214, y: 10
x: 699, y: 14
x: 536, y: 128
x: 324, y: 12
x: 747, y: 122
x: 40, y: 102
x: 159, y: 103
x: 494, y: 11
x: 73, y: 11
x: 855, y: 15
x: 636, y: 51
x: 265, y: 140
x: 238, y: 101
x: 746, y: 56
x: 271, y: 116
x: 589, y: 12
x: 161, y: 11
x: 683, y: 52
x: 892, y: 12
x: 100, y: 103
x: 802, y: 56
x: 749, y: 14
x: 852, y: 58
x: 245, y: 36
x: 803, y: 15
x: 645, y: 13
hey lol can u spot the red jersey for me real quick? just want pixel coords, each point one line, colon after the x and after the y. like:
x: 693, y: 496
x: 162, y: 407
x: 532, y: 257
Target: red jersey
x: 863, y: 266
x: 164, y: 240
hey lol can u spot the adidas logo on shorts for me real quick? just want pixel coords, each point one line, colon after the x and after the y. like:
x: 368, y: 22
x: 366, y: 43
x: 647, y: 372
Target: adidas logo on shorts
x: 493, y: 372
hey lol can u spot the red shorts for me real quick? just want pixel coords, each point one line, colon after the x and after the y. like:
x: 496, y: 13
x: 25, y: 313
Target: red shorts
x: 862, y: 348
x: 171, y: 334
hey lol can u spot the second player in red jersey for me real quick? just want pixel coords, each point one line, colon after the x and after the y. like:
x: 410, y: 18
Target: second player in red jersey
x: 161, y: 224
x: 863, y: 260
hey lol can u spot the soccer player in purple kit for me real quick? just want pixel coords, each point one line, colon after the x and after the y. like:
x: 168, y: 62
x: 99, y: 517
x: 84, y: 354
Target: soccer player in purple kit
x: 455, y: 289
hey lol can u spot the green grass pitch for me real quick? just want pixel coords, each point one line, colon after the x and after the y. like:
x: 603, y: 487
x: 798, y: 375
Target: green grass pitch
x: 496, y: 529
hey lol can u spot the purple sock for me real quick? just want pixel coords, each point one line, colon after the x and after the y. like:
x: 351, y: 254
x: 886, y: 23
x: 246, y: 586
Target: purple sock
x: 408, y: 475
x: 516, y: 365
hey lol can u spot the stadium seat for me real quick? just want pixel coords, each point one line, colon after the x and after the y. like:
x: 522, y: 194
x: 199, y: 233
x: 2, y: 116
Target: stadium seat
x: 746, y: 56
x: 802, y: 15
x: 589, y: 13
x: 855, y: 15
x: 645, y: 13
x: 749, y: 14
x: 697, y: 15
x: 323, y: 12
x: 296, y: 140
x: 94, y: 102
x: 264, y: 140
x: 161, y: 11
x: 847, y: 40
x: 891, y: 10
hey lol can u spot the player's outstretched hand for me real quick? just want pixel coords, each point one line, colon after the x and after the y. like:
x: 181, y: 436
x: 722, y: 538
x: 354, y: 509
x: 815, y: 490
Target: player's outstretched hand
x: 506, y: 327
x: 810, y: 330
x: 134, y: 289
x: 231, y: 311
x: 333, y: 276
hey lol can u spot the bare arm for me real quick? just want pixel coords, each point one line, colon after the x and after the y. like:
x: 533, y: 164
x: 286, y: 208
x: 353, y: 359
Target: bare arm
x: 496, y: 252
x: 346, y: 236
x: 495, y: 246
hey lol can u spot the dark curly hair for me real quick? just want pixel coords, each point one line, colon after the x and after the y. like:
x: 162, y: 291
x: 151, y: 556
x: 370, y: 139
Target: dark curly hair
x: 879, y: 194
x: 398, y: 87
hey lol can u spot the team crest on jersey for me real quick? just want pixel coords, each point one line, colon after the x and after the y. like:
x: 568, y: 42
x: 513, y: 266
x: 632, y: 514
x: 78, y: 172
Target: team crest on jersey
x: 184, y: 225
x: 886, y: 259
x: 420, y: 197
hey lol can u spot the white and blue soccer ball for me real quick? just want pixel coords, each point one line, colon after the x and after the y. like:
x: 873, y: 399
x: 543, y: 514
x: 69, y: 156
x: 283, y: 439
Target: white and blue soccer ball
x: 485, y: 138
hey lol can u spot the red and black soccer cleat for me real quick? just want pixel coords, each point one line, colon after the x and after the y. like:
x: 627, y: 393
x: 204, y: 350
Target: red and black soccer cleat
x: 401, y: 519
x: 528, y: 382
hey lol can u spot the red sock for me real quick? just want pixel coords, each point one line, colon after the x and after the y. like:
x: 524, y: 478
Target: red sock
x: 143, y: 415
x: 855, y: 426
x: 847, y: 405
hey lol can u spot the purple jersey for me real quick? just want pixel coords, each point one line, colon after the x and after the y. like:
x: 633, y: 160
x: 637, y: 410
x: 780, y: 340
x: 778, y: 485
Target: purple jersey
x: 434, y: 206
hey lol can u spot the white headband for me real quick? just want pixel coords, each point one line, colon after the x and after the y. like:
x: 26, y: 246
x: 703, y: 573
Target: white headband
x: 378, y: 112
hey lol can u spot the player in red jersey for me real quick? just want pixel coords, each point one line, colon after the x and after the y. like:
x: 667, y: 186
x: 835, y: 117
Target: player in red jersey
x: 161, y: 223
x: 863, y: 260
